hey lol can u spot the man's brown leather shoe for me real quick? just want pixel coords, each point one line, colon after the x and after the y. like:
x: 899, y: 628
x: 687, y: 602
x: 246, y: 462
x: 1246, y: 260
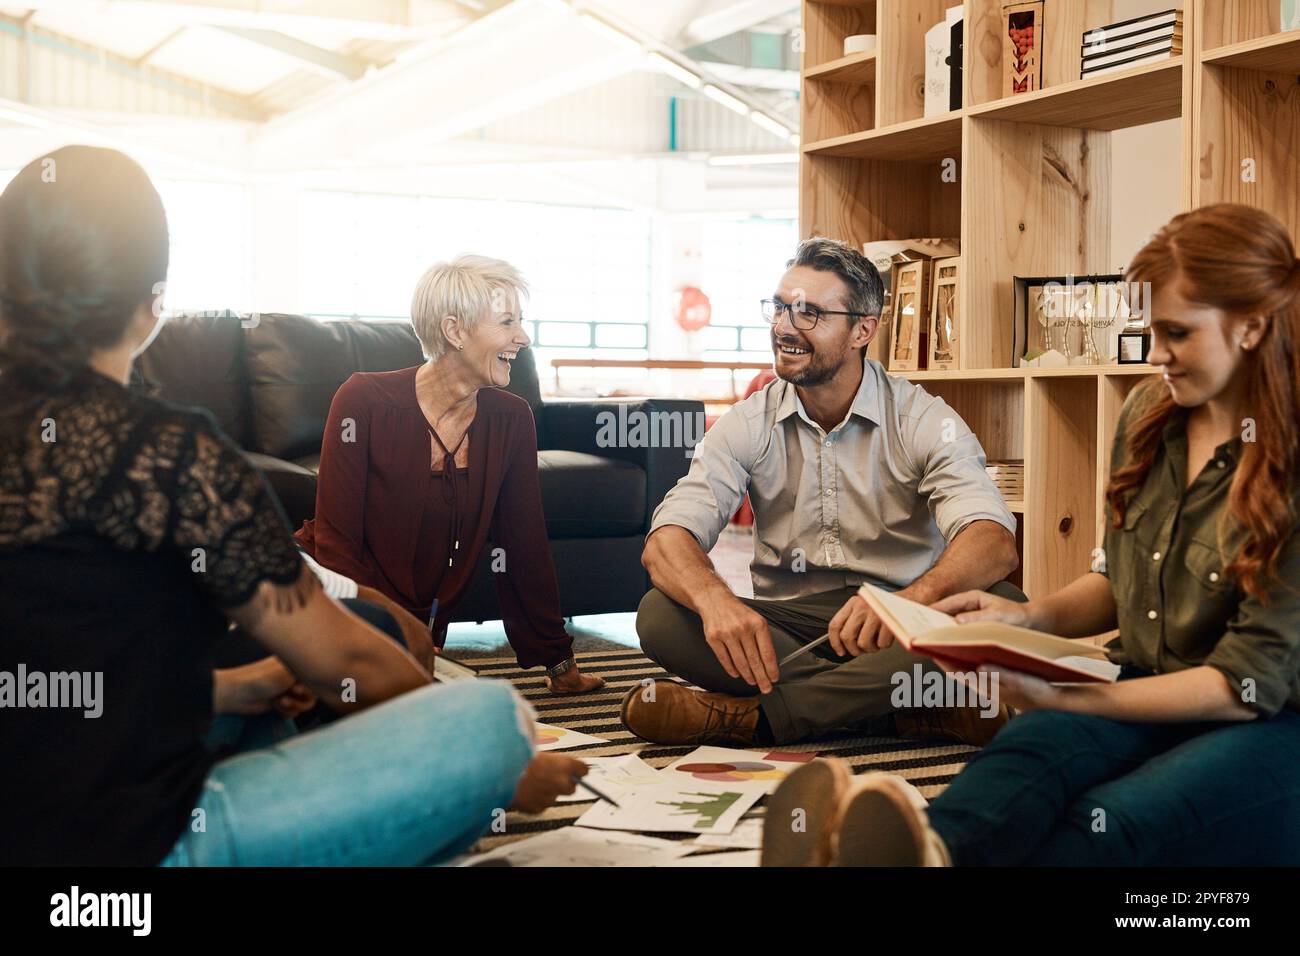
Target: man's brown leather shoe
x: 965, y: 725
x: 665, y: 712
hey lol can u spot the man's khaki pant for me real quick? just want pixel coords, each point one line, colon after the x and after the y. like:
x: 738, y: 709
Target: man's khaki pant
x: 817, y: 691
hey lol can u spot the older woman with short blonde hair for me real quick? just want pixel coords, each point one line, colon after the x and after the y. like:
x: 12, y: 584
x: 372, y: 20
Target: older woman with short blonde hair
x: 422, y: 467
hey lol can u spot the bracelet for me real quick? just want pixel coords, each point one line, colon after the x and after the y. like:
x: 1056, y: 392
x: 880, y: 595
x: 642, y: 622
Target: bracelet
x: 561, y: 668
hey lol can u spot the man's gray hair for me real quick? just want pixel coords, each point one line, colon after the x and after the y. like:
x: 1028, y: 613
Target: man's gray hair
x: 866, y: 290
x: 467, y: 288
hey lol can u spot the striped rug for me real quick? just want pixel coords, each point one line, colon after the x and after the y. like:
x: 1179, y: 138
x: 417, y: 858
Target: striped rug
x: 929, y: 768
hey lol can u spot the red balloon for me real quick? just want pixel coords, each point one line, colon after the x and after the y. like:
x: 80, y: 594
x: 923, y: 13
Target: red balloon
x: 693, y: 309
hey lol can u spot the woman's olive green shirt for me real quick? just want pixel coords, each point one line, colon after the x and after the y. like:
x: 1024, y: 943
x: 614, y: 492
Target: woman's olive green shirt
x: 1177, y: 608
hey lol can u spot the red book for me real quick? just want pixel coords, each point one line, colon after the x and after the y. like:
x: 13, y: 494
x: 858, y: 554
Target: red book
x: 923, y: 630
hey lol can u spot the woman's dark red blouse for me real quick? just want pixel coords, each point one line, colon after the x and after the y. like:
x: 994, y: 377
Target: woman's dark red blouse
x: 376, y: 507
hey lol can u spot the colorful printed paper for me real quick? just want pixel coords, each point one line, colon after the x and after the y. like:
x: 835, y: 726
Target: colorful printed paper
x: 687, y: 806
x: 762, y: 770
x: 548, y: 737
x: 612, y: 776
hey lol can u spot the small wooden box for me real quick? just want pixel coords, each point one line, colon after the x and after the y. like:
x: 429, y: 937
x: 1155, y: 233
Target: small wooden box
x: 909, y: 328
x: 944, y: 328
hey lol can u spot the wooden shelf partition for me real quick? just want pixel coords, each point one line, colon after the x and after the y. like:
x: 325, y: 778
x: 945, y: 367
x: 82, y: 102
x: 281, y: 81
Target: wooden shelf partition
x: 918, y: 140
x: 1039, y: 177
x: 1145, y: 94
x: 856, y: 69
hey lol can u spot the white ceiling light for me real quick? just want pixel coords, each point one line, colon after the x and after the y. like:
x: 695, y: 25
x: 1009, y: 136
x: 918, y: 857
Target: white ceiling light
x: 753, y: 159
x: 726, y: 99
x: 26, y: 119
x: 775, y: 127
x: 676, y: 71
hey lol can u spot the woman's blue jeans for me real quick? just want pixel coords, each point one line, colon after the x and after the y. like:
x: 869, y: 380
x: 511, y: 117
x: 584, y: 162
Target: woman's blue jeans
x: 1061, y: 789
x: 412, y: 781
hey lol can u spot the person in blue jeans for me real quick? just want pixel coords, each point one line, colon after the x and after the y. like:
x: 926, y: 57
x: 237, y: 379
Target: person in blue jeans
x: 1193, y: 756
x: 132, y: 534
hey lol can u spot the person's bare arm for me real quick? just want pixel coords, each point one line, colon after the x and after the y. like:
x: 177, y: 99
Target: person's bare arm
x: 981, y: 554
x: 339, y: 657
x: 1196, y: 694
x: 738, y: 636
x: 419, y: 640
x: 258, y: 688
x: 680, y: 569
x: 1084, y: 607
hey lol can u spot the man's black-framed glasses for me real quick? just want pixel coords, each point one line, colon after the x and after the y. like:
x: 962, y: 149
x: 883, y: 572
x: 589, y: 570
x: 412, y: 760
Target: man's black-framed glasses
x: 803, y: 317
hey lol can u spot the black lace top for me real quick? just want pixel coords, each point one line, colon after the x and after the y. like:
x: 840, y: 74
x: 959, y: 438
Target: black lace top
x: 126, y: 526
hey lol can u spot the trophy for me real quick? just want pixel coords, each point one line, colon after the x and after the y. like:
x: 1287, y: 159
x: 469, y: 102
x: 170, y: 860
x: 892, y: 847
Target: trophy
x: 1107, y: 309
x: 1052, y: 306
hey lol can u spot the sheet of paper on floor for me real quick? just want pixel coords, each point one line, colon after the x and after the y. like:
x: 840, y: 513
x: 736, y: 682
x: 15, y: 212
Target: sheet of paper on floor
x: 689, y: 806
x: 748, y: 769
x: 612, y: 776
x: 737, y: 858
x: 445, y: 670
x: 561, y: 738
x: 748, y: 835
x: 575, y: 846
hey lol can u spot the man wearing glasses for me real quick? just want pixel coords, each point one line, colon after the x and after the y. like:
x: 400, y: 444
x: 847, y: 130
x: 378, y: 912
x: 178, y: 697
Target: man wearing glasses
x: 854, y: 476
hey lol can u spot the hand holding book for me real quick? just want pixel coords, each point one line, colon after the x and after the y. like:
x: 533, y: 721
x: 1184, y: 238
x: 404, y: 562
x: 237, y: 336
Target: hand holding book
x: 994, y: 634
x: 983, y: 606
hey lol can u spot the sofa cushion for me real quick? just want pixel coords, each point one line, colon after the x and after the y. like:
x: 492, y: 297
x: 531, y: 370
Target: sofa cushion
x: 198, y: 359
x: 295, y: 365
x: 586, y: 496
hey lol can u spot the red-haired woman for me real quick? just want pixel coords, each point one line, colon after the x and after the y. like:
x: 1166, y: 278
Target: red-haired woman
x: 1193, y: 756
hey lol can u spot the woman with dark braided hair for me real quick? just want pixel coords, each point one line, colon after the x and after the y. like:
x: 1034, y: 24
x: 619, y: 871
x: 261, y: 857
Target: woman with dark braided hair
x: 1193, y: 756
x: 131, y: 532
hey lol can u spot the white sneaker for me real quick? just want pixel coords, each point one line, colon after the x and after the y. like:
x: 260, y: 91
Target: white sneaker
x: 883, y: 823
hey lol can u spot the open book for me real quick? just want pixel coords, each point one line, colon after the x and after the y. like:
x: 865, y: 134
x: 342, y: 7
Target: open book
x: 923, y: 630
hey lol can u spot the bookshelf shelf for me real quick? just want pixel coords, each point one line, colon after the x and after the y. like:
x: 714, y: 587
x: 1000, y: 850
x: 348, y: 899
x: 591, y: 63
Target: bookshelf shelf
x: 856, y: 69
x: 1277, y: 52
x: 1144, y: 94
x: 1041, y: 179
x: 1009, y: 374
x: 928, y: 139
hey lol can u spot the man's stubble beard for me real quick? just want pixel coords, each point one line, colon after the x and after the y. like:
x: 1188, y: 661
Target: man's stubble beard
x: 816, y: 374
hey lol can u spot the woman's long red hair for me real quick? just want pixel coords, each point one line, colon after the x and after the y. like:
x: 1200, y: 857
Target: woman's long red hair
x: 1240, y: 260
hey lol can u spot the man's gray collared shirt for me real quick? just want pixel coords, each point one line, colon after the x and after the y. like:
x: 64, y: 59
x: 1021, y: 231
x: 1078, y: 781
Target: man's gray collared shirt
x: 875, y: 499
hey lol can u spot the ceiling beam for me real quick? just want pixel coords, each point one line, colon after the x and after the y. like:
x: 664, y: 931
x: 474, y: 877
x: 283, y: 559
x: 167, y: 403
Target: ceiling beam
x: 144, y: 58
x: 364, y: 19
x: 233, y: 104
x: 315, y: 58
x: 731, y: 17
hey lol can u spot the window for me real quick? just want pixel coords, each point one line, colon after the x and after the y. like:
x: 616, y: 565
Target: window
x: 589, y: 269
x: 211, y: 266
x: 742, y: 261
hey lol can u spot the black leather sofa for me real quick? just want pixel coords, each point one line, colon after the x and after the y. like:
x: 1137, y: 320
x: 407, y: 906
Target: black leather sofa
x: 268, y: 379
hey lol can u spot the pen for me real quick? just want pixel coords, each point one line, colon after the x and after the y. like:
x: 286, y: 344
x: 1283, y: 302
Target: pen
x: 586, y: 786
x: 807, y: 647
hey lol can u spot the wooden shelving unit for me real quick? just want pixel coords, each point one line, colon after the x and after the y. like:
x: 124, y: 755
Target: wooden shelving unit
x: 1033, y: 196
